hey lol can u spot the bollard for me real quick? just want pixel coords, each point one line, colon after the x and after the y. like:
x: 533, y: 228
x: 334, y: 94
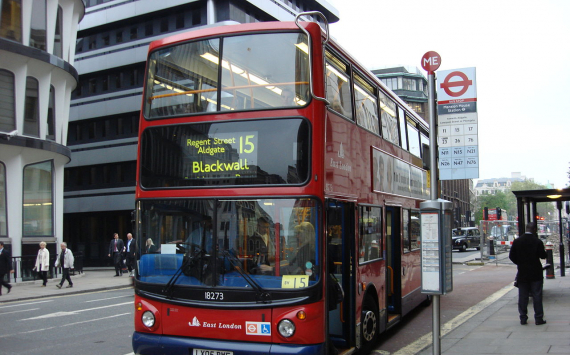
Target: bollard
x: 549, y: 260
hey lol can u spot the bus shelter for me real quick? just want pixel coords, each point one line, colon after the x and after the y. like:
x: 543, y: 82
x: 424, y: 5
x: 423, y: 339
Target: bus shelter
x: 527, y: 212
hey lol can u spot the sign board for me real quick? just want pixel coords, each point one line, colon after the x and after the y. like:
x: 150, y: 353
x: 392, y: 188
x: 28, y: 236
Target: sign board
x: 436, y: 246
x: 431, y: 61
x: 457, y: 124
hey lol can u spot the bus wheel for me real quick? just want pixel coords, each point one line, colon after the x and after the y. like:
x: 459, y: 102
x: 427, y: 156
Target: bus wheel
x: 369, y: 321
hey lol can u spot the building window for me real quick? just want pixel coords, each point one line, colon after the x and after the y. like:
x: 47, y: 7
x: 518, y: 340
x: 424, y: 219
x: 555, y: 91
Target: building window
x: 3, y: 210
x: 11, y: 20
x: 7, y: 109
x: 410, y: 84
x: 119, y: 36
x: 148, y: 29
x: 38, y: 25
x: 164, y: 25
x: 38, y: 200
x: 57, y: 48
x: 51, y: 115
x: 134, y: 33
x: 179, y: 21
x: 31, y: 108
x: 416, y: 106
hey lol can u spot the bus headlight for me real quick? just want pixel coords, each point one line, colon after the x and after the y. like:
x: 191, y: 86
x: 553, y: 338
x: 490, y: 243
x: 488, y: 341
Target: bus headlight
x: 148, y: 319
x: 286, y: 328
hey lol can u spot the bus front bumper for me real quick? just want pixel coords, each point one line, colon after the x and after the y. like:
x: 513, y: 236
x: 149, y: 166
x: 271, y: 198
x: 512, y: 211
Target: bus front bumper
x: 153, y: 344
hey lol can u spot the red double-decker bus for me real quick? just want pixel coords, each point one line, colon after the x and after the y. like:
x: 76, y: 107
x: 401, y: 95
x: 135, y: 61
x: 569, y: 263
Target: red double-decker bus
x: 278, y: 191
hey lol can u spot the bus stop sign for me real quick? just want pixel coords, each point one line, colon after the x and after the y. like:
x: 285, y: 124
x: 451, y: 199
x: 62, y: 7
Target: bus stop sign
x: 431, y: 62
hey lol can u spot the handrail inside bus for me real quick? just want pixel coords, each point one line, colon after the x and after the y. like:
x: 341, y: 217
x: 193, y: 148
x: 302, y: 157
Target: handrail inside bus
x: 227, y: 88
x: 310, y: 51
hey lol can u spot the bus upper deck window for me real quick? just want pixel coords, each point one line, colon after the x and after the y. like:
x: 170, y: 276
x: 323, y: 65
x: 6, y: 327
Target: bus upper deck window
x: 338, y: 86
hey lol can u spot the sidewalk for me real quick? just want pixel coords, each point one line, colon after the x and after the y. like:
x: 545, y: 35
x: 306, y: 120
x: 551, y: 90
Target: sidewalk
x: 495, y: 329
x: 95, y: 279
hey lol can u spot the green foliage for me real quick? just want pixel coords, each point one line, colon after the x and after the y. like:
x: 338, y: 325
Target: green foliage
x: 499, y: 199
x: 507, y: 201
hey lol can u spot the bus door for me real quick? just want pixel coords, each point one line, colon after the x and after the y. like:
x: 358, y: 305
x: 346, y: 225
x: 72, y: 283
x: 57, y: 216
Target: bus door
x: 340, y: 224
x: 393, y: 263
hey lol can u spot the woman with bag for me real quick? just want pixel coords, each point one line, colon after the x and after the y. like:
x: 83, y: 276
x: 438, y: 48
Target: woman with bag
x: 42, y: 263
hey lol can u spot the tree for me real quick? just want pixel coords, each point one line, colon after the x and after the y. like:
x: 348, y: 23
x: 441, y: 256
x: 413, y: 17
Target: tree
x: 499, y: 199
x: 545, y: 209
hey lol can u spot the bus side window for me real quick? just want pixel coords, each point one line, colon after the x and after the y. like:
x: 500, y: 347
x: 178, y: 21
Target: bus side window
x: 338, y: 86
x: 366, y: 106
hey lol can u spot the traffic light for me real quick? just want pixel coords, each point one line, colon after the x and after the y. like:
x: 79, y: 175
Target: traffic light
x: 486, y: 213
x: 498, y: 214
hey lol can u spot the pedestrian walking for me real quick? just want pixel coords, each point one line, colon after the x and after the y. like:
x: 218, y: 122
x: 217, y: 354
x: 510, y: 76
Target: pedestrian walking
x: 66, y: 260
x: 526, y: 252
x: 116, y: 249
x: 5, y: 267
x: 131, y: 254
x: 42, y: 263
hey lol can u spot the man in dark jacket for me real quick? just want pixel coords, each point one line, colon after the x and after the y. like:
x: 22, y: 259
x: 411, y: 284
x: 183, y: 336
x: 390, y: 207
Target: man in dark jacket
x: 5, y: 267
x: 526, y: 253
x: 131, y: 247
x: 116, y: 249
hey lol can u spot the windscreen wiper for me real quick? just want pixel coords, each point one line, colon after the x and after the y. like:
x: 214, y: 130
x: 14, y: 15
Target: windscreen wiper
x: 199, y: 253
x: 261, y: 294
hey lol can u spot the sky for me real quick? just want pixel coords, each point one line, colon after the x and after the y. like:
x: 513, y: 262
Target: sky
x: 521, y: 52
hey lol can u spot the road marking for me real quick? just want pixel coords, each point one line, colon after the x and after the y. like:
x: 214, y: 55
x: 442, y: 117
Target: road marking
x: 22, y: 310
x: 109, y: 298
x: 24, y: 304
x: 64, y: 325
x: 59, y: 314
x: 426, y: 340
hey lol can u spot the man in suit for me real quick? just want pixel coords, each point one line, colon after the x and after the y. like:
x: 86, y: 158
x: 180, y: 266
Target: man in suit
x: 5, y: 267
x: 131, y: 254
x: 526, y: 252
x: 116, y: 249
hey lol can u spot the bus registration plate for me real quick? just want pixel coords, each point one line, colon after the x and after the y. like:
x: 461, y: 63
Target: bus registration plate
x: 211, y: 352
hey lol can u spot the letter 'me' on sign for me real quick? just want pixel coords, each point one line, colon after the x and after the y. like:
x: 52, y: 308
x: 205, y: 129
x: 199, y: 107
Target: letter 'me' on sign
x: 431, y: 61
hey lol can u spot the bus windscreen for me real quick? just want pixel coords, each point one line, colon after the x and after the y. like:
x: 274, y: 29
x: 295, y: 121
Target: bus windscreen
x: 258, y: 71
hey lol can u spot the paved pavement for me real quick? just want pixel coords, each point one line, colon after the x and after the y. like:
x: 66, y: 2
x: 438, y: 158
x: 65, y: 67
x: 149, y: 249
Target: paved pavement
x: 490, y: 327
x: 96, y: 279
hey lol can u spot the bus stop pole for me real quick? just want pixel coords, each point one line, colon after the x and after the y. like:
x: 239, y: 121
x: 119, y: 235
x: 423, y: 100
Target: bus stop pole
x: 433, y: 196
x: 561, y: 246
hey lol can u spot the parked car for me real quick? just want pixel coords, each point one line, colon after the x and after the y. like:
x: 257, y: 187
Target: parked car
x: 466, y: 237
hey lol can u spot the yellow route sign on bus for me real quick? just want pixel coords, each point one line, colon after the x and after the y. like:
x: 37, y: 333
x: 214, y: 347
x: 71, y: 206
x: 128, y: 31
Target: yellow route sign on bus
x: 294, y: 281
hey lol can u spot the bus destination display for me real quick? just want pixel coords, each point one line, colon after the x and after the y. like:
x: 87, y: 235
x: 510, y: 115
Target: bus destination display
x: 230, y: 154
